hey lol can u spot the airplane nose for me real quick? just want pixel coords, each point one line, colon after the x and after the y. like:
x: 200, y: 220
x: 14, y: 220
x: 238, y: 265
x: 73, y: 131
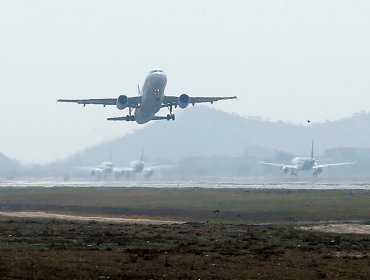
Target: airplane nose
x: 161, y: 77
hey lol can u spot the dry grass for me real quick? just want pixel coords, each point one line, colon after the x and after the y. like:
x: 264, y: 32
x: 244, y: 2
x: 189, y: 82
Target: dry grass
x: 47, y: 249
x: 229, y: 206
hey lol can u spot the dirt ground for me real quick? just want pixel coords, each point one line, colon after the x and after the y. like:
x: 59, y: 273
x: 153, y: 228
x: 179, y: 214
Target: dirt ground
x: 38, y: 214
x: 61, y: 249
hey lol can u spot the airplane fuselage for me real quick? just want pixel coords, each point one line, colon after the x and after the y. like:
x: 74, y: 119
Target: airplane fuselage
x: 303, y: 163
x: 152, y: 95
x: 137, y: 166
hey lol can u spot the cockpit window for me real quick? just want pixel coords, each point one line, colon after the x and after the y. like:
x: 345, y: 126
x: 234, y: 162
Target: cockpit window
x: 156, y: 71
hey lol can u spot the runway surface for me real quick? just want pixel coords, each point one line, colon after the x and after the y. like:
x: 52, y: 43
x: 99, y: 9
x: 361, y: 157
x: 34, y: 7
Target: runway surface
x: 185, y: 185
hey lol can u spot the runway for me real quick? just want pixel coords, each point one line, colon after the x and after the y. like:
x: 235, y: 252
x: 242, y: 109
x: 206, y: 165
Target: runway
x: 223, y: 184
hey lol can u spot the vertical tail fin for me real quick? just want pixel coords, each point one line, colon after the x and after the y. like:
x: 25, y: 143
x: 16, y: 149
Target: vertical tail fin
x: 142, y: 154
x: 312, y: 150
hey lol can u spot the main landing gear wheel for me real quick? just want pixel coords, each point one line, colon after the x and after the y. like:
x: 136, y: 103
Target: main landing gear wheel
x: 171, y: 117
x: 130, y: 118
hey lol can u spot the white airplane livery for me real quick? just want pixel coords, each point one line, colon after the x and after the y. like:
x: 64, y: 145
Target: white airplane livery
x: 150, y: 100
x: 304, y: 164
x: 136, y: 167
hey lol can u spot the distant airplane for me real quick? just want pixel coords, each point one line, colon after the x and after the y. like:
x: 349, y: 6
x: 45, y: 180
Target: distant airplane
x: 102, y: 170
x: 304, y: 164
x: 136, y: 167
x: 149, y: 101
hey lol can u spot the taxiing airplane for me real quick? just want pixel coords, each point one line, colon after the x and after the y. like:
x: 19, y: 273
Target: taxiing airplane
x: 136, y: 167
x: 304, y: 164
x: 149, y: 101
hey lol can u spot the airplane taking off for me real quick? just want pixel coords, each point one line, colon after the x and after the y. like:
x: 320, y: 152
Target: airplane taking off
x: 149, y: 101
x: 304, y: 164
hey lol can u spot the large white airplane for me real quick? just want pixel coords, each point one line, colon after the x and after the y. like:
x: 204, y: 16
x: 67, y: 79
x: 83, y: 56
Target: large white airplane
x: 304, y: 164
x: 149, y: 101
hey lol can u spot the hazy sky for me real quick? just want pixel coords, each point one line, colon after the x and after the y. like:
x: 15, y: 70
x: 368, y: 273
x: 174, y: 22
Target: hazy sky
x: 286, y: 60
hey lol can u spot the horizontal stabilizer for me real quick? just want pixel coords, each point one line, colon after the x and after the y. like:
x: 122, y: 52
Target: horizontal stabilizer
x: 158, y: 118
x: 168, y: 117
x: 117, y: 119
x: 125, y: 118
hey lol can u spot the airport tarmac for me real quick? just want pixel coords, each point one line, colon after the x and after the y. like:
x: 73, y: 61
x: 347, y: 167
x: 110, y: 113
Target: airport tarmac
x: 222, y: 184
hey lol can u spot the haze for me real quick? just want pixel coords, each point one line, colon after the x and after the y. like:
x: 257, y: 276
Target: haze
x: 286, y: 60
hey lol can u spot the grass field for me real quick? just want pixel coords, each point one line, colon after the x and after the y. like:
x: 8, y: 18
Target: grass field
x: 197, y: 205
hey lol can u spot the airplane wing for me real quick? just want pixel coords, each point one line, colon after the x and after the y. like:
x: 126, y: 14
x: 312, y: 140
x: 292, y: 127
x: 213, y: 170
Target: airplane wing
x: 155, y: 118
x: 332, y: 164
x: 156, y: 167
x: 173, y: 100
x: 290, y: 166
x: 132, y: 102
x: 87, y: 168
x: 149, y: 171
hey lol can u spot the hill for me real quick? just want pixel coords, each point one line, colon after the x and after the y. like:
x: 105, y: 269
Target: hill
x: 8, y: 167
x: 202, y: 131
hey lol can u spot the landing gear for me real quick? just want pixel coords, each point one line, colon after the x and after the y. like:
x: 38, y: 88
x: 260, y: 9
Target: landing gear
x: 316, y: 171
x: 130, y: 118
x: 170, y: 117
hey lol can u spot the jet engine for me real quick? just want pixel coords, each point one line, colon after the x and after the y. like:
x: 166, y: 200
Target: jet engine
x: 285, y: 169
x: 183, y: 101
x: 121, y: 102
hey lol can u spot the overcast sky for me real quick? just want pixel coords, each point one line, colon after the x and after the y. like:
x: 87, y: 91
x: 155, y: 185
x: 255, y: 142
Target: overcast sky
x: 286, y: 60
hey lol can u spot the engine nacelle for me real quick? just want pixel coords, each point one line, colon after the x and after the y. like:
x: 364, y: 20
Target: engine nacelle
x: 122, y: 102
x: 285, y: 169
x: 183, y: 101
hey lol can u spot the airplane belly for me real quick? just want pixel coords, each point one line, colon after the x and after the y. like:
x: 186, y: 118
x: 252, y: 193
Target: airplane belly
x: 149, y: 107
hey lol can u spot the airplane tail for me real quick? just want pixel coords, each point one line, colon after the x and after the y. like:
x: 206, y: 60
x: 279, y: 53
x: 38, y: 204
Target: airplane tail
x: 142, y: 154
x: 312, y: 154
